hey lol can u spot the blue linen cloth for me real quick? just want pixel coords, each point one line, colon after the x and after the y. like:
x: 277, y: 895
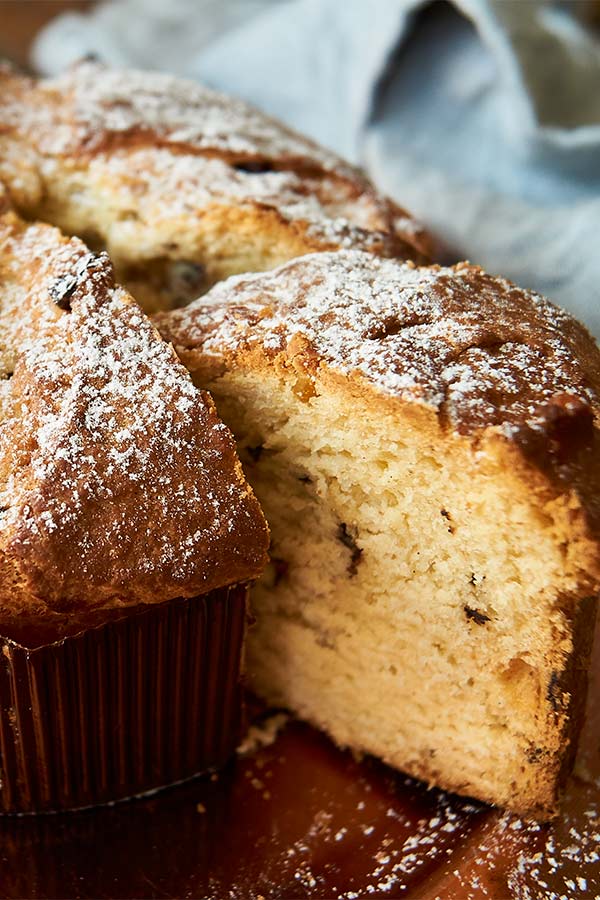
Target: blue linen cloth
x: 481, y: 116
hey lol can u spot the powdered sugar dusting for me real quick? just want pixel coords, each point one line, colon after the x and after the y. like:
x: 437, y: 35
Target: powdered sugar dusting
x: 161, y: 186
x: 179, y: 112
x: 168, y: 148
x: 473, y: 348
x: 128, y: 480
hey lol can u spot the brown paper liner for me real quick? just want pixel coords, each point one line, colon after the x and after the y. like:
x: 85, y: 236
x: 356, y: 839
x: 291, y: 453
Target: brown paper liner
x: 122, y: 708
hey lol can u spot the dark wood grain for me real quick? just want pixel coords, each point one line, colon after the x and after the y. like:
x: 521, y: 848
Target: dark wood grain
x: 300, y: 818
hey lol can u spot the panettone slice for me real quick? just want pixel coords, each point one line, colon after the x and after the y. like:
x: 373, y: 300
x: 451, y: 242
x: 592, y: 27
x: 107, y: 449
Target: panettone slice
x: 424, y: 442
x: 128, y: 537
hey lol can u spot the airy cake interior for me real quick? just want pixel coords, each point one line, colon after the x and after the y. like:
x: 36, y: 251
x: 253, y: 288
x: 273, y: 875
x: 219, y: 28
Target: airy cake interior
x: 409, y: 611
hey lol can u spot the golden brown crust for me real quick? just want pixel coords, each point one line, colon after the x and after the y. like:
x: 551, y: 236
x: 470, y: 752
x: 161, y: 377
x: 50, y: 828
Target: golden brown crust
x: 488, y: 360
x: 223, y: 152
x: 120, y: 485
x: 473, y: 348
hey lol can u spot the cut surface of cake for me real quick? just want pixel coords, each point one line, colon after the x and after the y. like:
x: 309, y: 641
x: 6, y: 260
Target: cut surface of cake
x: 182, y: 185
x: 424, y: 444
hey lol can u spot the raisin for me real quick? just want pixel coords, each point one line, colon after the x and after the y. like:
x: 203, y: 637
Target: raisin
x: 476, y: 615
x: 349, y: 541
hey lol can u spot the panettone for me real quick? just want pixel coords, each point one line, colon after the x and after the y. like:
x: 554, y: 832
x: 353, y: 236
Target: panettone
x: 423, y: 441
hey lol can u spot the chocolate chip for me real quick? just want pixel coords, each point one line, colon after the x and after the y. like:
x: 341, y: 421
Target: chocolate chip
x: 555, y: 693
x: 349, y: 541
x: 186, y: 276
x: 446, y: 515
x: 476, y: 615
x: 62, y: 289
x: 535, y: 754
x: 281, y: 569
x: 255, y: 453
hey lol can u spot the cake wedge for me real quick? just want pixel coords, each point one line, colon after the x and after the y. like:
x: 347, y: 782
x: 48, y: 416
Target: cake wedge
x: 128, y: 539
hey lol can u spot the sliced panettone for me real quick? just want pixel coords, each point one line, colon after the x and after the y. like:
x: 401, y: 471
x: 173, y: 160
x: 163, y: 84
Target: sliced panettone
x: 424, y: 443
x: 119, y: 484
x: 182, y: 185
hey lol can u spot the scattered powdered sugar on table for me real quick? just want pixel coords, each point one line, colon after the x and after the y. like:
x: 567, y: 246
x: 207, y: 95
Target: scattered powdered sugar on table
x: 310, y: 820
x: 567, y: 864
x: 560, y: 861
x: 395, y: 867
x: 474, y: 348
x: 530, y: 859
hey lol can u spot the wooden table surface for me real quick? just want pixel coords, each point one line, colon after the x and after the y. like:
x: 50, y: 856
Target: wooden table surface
x: 301, y: 819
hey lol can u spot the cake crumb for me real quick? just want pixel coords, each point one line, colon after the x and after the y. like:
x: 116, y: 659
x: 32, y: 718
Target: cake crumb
x: 262, y: 734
